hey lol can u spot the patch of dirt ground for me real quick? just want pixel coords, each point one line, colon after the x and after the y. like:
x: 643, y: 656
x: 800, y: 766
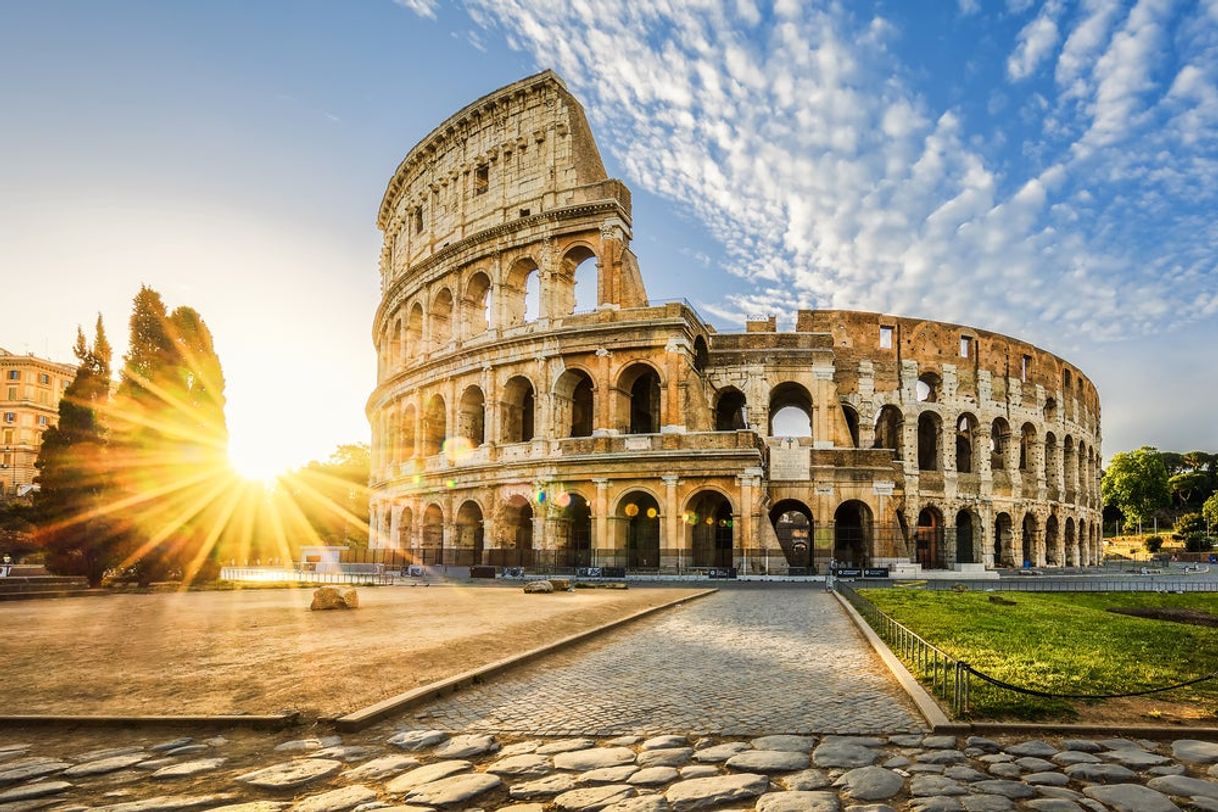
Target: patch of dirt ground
x: 1147, y: 710
x: 263, y: 651
x: 1194, y: 617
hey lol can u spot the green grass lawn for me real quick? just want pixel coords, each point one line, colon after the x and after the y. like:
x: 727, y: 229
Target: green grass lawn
x: 1063, y: 642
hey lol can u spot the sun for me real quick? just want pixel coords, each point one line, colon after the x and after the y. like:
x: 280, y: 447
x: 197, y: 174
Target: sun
x: 255, y: 466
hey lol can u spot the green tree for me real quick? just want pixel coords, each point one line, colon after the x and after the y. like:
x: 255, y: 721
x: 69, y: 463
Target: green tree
x: 333, y: 495
x: 1190, y: 524
x: 1136, y: 483
x: 1186, y: 484
x: 75, y: 487
x: 1210, y: 511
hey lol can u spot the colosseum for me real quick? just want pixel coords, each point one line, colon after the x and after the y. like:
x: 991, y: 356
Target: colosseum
x: 535, y: 409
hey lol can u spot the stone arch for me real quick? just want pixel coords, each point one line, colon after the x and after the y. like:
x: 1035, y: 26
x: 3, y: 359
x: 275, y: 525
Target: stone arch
x: 888, y: 430
x: 794, y: 527
x: 1071, y: 543
x: 929, y: 387
x: 1053, y: 553
x: 638, y: 393
x: 405, y: 538
x: 574, y: 404
x: 710, y: 529
x: 578, y: 284
x: 574, y: 529
x: 471, y: 416
x: 929, y: 538
x: 852, y: 423
x: 1000, y: 438
x: 639, y: 517
x: 1084, y: 544
x: 730, y: 409
x: 435, y: 426
x: 518, y: 529
x: 470, y: 534
x: 1069, y: 468
x: 1004, y: 540
x: 441, y: 318
x: 853, y: 533
x: 701, y: 354
x: 930, y: 429
x: 1029, y: 531
x: 1027, y: 442
x: 790, y: 410
x: 966, y: 441
x: 517, y: 410
x: 433, y: 527
x: 478, y: 305
x: 396, y: 350
x: 968, y: 537
x: 1050, y: 410
x: 414, y: 333
x: 523, y: 278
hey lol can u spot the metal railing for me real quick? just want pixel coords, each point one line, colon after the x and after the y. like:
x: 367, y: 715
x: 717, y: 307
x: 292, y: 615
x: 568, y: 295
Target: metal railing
x: 1082, y: 584
x: 303, y: 575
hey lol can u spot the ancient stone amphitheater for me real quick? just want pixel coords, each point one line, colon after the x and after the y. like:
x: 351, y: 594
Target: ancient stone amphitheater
x: 535, y: 409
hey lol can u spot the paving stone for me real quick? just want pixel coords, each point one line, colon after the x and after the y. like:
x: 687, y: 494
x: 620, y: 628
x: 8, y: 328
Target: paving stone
x: 962, y: 772
x: 664, y: 742
x: 420, y: 808
x: 607, y: 775
x: 798, y: 802
x: 1167, y: 769
x: 639, y: 803
x: 982, y: 743
x: 109, y: 752
x: 543, y: 787
x: 567, y: 745
x: 186, y: 769
x: 105, y: 765
x: 700, y: 793
x: 1033, y: 747
x: 39, y: 789
x: 336, y: 800
x: 698, y: 771
x: 453, y: 790
x: 216, y: 741
x: 906, y: 740
x: 1082, y: 745
x: 594, y: 758
x: 1007, y: 789
x: 1201, y: 803
x: 623, y: 741
x: 941, y: 757
x: 347, y: 752
x: 986, y: 803
x: 665, y: 757
x: 936, y: 769
x: 1136, y: 758
x: 294, y: 746
x: 529, y: 764
x: 996, y: 758
x: 1047, y: 779
x: 768, y: 761
x: 653, y: 776
x: 589, y: 799
x: 927, y: 786
x: 417, y: 739
x: 1184, y: 786
x: 167, y: 803
x: 382, y: 767
x: 518, y: 749
x: 15, y: 772
x: 466, y: 746
x: 1005, y: 770
x: 935, y: 803
x: 172, y: 744
x: 940, y: 742
x: 426, y: 774
x: 897, y: 762
x: 720, y: 752
x: 1053, y: 805
x: 157, y: 763
x: 254, y: 806
x: 1035, y: 765
x: 870, y: 783
x: 1100, y: 773
x: 1131, y: 798
x: 187, y: 750
x: 836, y: 754
x: 291, y: 774
x: 1212, y: 771
x: 870, y: 808
x: 522, y: 808
x: 1060, y: 792
x: 1068, y: 757
x: 1194, y: 751
x: 796, y: 744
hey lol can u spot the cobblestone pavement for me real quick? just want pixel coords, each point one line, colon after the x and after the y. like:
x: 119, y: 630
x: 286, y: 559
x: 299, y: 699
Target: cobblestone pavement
x: 742, y: 662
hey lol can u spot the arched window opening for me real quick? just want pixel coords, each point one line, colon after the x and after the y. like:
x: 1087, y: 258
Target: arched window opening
x: 518, y: 525
x: 517, y: 410
x: 1027, y: 441
x: 730, y: 410
x: 435, y: 428
x: 575, y: 529
x: 852, y: 531
x: 641, y: 384
x: 414, y: 334
x: 790, y: 411
x: 470, y: 536
x: 478, y: 316
x: 1071, y: 546
x: 927, y: 388
x: 701, y: 354
x: 405, y: 537
x: 1000, y: 436
x: 966, y: 548
x: 573, y: 404
x: 582, y: 269
x: 471, y: 416
x: 888, y: 428
x: 522, y: 293
x: 441, y: 319
x: 407, y: 441
x: 852, y: 423
x: 1004, y: 552
x: 639, y: 516
x: 433, y: 534
x: 532, y: 297
x: 395, y: 347
x: 1028, y: 540
x: 793, y: 525
x: 709, y: 519
x: 929, y: 426
x: 1052, y: 552
x: 966, y: 431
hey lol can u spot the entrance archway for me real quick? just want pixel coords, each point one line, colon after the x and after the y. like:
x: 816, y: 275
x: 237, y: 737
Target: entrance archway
x: 1053, y: 555
x: 967, y: 550
x: 518, y: 522
x: 709, y: 519
x: 575, y: 529
x: 1004, y: 554
x: 1028, y: 546
x: 639, y: 515
x: 852, y: 533
x: 794, y: 525
x: 469, y: 546
x: 928, y: 538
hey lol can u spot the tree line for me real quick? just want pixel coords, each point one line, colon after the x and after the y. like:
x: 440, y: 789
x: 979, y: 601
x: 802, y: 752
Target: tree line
x: 1173, y: 489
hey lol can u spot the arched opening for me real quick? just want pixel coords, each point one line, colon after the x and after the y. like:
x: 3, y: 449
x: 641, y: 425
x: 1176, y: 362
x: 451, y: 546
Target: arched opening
x: 1050, y: 409
x: 522, y: 293
x: 1084, y: 548
x: 852, y: 423
x: 967, y: 549
x: 1028, y: 540
x: 405, y: 537
x: 573, y: 404
x: 532, y: 297
x: 709, y: 519
x: 927, y: 388
x: 1000, y: 435
x: 414, y: 333
x: 793, y: 525
x: 888, y: 427
x: 1068, y: 466
x: 790, y: 411
x: 575, y: 529
x: 1051, y: 459
x: 435, y: 428
x: 639, y: 384
x: 577, y: 284
x: 1071, y: 544
x: 471, y: 416
x: 442, y: 319
x: 517, y: 410
x: 433, y: 534
x: 518, y: 527
x: 852, y: 529
x: 1004, y: 552
x: 730, y: 406
x: 639, y: 515
x: 407, y: 441
x: 966, y: 433
x: 478, y: 304
x: 470, y: 535
x: 928, y: 538
x: 929, y: 426
x: 395, y: 347
x: 1027, y: 441
x: 1053, y: 555
x: 701, y: 354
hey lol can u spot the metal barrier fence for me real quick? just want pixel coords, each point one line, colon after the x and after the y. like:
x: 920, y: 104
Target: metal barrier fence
x: 1132, y: 583
x: 303, y: 575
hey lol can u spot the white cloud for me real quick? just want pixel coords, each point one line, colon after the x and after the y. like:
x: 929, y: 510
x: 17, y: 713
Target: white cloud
x: 1084, y: 42
x: 1035, y: 42
x: 424, y: 8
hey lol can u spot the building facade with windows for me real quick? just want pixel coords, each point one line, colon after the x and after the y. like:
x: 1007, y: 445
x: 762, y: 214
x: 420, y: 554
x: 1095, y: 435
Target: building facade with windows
x: 535, y: 408
x: 30, y: 391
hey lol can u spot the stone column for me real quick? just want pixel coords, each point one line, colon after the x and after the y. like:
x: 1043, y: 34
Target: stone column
x: 674, y: 538
x: 600, y: 515
x: 604, y: 394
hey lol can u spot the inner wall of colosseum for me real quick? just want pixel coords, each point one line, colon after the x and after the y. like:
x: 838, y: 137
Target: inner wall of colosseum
x: 534, y: 409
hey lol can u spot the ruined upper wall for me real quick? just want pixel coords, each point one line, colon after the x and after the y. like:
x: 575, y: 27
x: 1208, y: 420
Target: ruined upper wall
x: 519, y: 151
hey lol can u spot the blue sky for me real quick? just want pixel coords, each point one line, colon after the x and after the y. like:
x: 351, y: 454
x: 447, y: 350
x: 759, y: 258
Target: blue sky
x: 1046, y: 169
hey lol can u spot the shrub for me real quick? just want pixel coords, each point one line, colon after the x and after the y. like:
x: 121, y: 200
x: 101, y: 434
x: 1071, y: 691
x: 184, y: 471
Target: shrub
x: 1154, y: 544
x: 1198, y: 543
x: 1190, y: 524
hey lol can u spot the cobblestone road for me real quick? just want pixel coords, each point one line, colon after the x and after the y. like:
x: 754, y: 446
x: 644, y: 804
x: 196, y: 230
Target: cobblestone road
x: 742, y: 662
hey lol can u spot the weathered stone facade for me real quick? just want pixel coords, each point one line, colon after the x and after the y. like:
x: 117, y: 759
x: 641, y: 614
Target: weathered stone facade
x: 519, y: 419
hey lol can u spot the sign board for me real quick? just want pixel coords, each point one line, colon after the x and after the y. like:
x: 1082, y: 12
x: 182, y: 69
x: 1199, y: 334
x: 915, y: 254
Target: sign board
x: 883, y: 488
x: 600, y: 572
x: 848, y: 572
x: 479, y: 571
x: 875, y: 572
x: 824, y: 490
x: 721, y: 572
x: 789, y: 463
x: 638, y: 443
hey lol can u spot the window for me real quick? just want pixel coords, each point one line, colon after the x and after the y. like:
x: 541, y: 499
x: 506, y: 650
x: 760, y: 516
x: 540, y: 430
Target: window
x: 418, y: 220
x: 10, y: 417
x: 44, y: 379
x: 42, y: 420
x: 1024, y: 367
x: 14, y: 374
x: 885, y: 338
x: 966, y: 346
x: 524, y: 212
x: 482, y: 180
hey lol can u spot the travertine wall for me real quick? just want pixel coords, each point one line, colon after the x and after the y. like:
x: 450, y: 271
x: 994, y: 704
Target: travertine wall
x: 494, y: 423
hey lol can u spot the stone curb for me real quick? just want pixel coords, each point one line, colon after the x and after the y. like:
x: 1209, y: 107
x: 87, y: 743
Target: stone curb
x: 925, y: 703
x: 362, y: 718
x: 275, y: 721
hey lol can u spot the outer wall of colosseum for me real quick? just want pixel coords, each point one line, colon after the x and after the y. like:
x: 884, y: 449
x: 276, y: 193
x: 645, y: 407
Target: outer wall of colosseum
x: 534, y: 408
